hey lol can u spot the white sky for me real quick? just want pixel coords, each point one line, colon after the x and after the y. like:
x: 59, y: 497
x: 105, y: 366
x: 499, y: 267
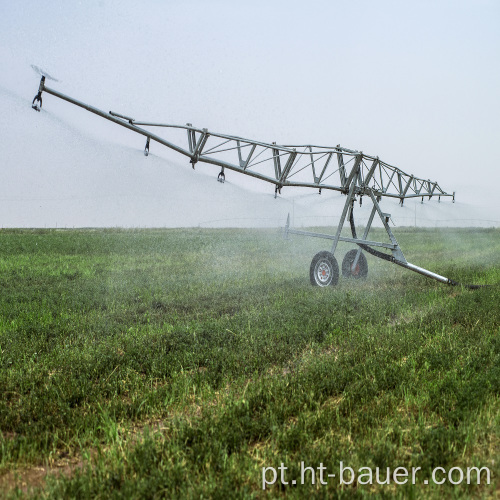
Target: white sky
x: 416, y: 83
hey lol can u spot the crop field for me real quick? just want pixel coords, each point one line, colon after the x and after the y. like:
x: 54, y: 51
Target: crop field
x: 189, y: 363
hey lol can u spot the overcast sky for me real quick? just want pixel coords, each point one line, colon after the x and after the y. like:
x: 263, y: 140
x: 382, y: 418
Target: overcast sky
x: 416, y: 83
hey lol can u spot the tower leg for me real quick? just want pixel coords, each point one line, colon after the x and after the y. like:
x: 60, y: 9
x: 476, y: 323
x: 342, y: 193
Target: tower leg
x: 350, y: 197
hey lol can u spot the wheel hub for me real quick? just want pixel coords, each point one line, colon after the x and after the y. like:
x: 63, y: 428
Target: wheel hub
x: 324, y: 272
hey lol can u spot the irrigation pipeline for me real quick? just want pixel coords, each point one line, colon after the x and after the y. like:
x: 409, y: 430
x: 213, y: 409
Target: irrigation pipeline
x: 389, y: 258
x: 409, y: 186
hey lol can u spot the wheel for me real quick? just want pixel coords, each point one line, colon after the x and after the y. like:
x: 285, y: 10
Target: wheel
x: 361, y: 269
x: 324, y: 269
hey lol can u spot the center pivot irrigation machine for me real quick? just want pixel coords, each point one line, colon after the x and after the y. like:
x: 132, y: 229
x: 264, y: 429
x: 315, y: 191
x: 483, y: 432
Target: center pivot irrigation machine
x: 353, y: 173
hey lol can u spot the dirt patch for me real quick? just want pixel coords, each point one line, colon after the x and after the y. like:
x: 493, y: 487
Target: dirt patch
x: 27, y: 479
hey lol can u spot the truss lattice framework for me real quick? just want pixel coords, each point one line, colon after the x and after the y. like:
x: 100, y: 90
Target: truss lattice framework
x: 332, y: 168
x: 307, y: 166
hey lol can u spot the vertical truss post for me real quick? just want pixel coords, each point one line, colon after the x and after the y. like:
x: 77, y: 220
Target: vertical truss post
x: 316, y: 179
x: 277, y: 163
x: 340, y: 161
x: 191, y: 137
x: 199, y: 146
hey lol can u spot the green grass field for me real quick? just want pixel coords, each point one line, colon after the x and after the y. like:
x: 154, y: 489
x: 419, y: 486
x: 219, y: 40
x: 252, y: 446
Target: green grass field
x: 179, y: 363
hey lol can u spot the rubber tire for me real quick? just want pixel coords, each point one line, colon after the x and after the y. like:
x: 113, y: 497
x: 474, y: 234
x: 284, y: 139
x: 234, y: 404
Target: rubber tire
x: 325, y: 263
x: 361, y: 268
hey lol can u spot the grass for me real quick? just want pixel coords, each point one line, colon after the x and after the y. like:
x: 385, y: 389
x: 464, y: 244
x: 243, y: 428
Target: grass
x: 179, y: 363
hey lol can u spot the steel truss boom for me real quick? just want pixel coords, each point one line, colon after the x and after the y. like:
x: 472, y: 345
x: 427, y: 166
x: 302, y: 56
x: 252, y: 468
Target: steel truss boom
x: 348, y: 171
x: 331, y: 168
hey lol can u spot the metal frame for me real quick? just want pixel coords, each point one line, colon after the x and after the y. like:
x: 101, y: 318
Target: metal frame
x: 354, y: 173
x: 397, y: 256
